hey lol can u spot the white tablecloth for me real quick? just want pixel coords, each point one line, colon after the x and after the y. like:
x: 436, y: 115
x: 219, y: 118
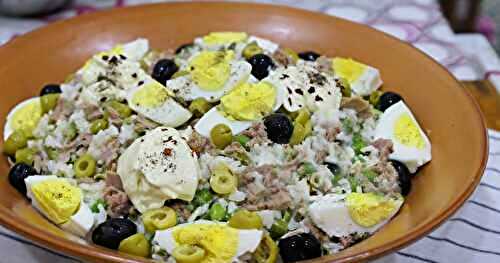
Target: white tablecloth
x: 473, y: 234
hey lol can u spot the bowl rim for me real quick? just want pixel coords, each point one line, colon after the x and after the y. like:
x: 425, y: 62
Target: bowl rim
x: 55, y: 243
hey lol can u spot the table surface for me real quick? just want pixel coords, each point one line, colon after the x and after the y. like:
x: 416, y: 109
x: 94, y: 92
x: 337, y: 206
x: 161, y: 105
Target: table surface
x: 473, y: 233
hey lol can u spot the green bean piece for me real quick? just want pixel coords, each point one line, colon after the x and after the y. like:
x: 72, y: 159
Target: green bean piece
x: 358, y: 143
x: 298, y: 134
x: 241, y: 139
x: 17, y: 140
x: 303, y: 116
x: 217, y: 212
x: 49, y: 102
x: 202, y: 196
x: 122, y: 109
x: 98, y: 125
x: 71, y: 132
x: 278, y: 228
x: 85, y: 166
x: 370, y: 174
x: 307, y: 168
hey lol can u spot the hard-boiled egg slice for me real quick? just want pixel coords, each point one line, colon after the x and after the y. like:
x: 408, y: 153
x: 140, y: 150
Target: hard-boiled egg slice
x: 24, y: 117
x: 154, y: 101
x: 245, y: 107
x: 362, y: 78
x: 267, y: 45
x: 305, y: 86
x: 339, y: 215
x: 61, y: 202
x: 157, y: 167
x: 218, y: 40
x: 220, y: 242
x: 227, y: 77
x: 411, y: 145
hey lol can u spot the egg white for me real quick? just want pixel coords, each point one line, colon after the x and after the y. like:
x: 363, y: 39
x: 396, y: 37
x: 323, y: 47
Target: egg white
x: 187, y: 89
x: 411, y: 156
x: 330, y: 214
x: 248, y: 241
x: 79, y: 224
x: 7, y: 129
x: 214, y: 117
x: 267, y: 45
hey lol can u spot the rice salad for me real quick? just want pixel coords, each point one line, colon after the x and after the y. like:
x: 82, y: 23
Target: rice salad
x: 231, y: 148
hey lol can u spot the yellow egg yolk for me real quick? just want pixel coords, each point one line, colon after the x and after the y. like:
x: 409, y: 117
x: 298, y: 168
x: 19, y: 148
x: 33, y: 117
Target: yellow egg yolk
x: 249, y: 101
x: 210, y: 69
x: 348, y: 69
x: 115, y: 51
x: 150, y: 95
x: 26, y: 118
x: 58, y: 198
x: 406, y: 132
x: 220, y: 242
x: 220, y: 38
x: 369, y: 209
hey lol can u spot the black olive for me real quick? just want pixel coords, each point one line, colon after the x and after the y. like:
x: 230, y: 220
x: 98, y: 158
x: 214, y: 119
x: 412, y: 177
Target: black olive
x: 163, y: 70
x: 183, y: 46
x: 50, y: 89
x: 299, y: 247
x: 404, y: 176
x: 261, y: 64
x: 18, y: 173
x: 309, y: 55
x: 388, y: 99
x: 112, y: 231
x: 279, y: 128
x: 334, y: 168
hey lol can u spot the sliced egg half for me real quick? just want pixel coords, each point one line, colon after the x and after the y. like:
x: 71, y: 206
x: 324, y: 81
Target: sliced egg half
x: 24, y: 117
x: 340, y: 215
x: 218, y: 40
x: 411, y: 145
x: 362, y: 78
x: 220, y: 242
x: 211, y: 75
x: 245, y: 107
x: 156, y: 102
x: 61, y: 202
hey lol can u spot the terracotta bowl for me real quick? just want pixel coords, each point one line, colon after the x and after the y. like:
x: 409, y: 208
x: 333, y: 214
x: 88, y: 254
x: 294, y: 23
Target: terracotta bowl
x: 450, y: 117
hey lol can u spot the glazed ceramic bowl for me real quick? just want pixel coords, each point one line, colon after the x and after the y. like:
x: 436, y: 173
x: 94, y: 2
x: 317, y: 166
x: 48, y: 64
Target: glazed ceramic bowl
x: 445, y: 111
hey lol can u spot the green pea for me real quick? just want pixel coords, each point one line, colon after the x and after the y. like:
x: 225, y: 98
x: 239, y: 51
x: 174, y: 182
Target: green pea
x: 15, y: 141
x: 307, y: 168
x: 71, y: 132
x: 95, y: 206
x: 244, y: 219
x: 203, y: 196
x: 358, y: 143
x: 98, y: 125
x: 217, y: 212
x: 188, y: 254
x: 223, y: 181
x: 121, y: 108
x: 241, y: 139
x: 345, y: 88
x: 370, y: 174
x: 49, y: 101
x: 25, y: 156
x: 199, y: 107
x: 136, y: 244
x: 221, y: 136
x: 85, y: 166
x: 251, y: 50
x: 52, y: 153
x: 279, y: 228
x: 347, y: 125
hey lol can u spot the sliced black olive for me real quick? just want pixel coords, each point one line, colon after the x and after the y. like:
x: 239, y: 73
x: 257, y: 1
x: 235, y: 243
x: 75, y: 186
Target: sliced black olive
x: 388, y: 99
x: 50, y: 89
x: 261, y: 64
x: 404, y: 176
x: 18, y: 173
x: 163, y: 70
x: 183, y: 47
x: 111, y: 232
x: 334, y: 168
x: 309, y: 55
x: 299, y: 247
x: 279, y: 128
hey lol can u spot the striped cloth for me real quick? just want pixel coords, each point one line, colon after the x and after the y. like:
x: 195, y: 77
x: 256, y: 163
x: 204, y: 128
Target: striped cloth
x: 472, y: 235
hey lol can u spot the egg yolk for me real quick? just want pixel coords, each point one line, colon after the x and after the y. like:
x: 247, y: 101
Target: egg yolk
x: 220, y: 38
x: 220, y: 242
x: 348, y: 69
x: 249, y: 101
x: 59, y: 199
x: 211, y: 69
x: 26, y: 118
x: 369, y: 209
x: 115, y: 51
x: 150, y: 95
x: 407, y: 132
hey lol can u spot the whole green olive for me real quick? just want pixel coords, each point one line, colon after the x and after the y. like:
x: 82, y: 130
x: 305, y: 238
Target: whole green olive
x: 221, y: 136
x: 15, y: 141
x: 85, y: 166
x: 49, y: 101
x: 98, y: 125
